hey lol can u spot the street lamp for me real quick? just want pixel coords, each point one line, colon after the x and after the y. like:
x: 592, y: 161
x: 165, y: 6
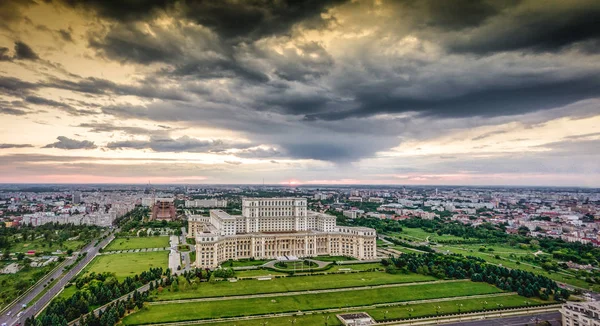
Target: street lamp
x: 326, y: 320
x: 410, y: 311
x: 385, y: 316
x: 293, y: 321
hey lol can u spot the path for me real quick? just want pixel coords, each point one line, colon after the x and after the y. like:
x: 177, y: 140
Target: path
x: 320, y: 264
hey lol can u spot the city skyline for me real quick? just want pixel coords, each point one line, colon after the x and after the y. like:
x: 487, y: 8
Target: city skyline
x: 498, y: 93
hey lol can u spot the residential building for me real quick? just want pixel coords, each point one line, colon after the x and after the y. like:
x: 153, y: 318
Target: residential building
x: 580, y: 314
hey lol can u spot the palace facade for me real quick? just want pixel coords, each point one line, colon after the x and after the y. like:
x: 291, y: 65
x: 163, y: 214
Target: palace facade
x: 275, y: 228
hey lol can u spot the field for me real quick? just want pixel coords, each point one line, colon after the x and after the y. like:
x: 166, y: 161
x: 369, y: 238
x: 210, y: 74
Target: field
x: 138, y: 243
x: 508, y: 255
x: 402, y: 312
x: 356, y: 267
x: 288, y: 284
x: 258, y: 273
x: 128, y: 264
x: 244, y: 263
x: 333, y: 258
x: 41, y: 245
x: 256, y: 306
x: 417, y: 234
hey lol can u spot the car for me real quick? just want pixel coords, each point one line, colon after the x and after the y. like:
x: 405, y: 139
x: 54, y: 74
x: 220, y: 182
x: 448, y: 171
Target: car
x: 8, y: 314
x: 20, y: 314
x: 4, y: 324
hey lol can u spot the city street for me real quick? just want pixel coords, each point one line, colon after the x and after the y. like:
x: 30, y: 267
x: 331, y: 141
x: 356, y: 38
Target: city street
x: 553, y: 317
x: 11, y: 320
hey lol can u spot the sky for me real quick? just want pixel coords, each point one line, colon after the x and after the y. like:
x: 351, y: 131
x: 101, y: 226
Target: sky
x: 304, y: 92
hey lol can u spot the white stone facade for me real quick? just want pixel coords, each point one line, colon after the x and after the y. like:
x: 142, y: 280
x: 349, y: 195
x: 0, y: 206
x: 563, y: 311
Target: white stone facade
x: 273, y: 227
x: 580, y: 313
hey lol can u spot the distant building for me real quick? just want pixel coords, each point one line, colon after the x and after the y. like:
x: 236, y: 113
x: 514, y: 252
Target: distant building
x: 580, y: 313
x: 164, y: 209
x: 76, y: 197
x: 205, y: 203
x: 352, y: 213
x: 376, y: 200
x: 355, y: 198
x: 273, y: 228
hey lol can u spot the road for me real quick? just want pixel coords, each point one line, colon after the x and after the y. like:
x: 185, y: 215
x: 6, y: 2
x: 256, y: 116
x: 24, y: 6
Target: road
x: 553, y: 317
x: 185, y: 255
x: 11, y: 320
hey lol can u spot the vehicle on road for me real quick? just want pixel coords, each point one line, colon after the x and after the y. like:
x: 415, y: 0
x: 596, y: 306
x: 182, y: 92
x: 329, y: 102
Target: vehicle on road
x: 19, y: 314
x: 8, y: 314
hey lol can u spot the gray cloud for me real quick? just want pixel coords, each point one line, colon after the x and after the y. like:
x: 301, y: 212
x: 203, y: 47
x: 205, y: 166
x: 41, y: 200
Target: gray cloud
x: 24, y: 52
x: 11, y: 111
x: 489, y: 134
x: 68, y: 143
x: 65, y: 35
x: 182, y: 144
x: 3, y: 146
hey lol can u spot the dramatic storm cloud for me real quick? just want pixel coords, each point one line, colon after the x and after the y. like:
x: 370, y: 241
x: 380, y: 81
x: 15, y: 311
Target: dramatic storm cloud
x: 439, y: 92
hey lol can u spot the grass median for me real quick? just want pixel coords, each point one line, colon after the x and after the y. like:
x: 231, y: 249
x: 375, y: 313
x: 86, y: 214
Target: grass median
x: 257, y: 306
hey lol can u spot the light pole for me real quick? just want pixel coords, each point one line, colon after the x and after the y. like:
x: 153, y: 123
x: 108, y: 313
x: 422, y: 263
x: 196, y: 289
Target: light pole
x: 293, y: 321
x: 385, y: 316
x: 326, y: 320
x: 484, y: 304
x: 459, y: 305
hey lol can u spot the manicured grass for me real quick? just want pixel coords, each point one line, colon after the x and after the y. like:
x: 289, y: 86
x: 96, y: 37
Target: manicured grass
x: 406, y: 250
x: 333, y: 258
x: 244, y: 263
x: 257, y: 273
x: 41, y: 245
x: 356, y: 267
x: 244, y: 307
x: 287, y: 284
x: 297, y: 266
x: 138, y: 243
x: 419, y: 234
x: 67, y: 292
x: 401, y: 312
x: 128, y: 264
x: 508, y: 262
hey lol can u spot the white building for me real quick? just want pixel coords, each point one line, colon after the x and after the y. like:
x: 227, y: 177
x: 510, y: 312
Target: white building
x: 580, y: 314
x: 205, y: 203
x: 355, y: 198
x: 353, y: 213
x: 376, y: 200
x: 274, y: 227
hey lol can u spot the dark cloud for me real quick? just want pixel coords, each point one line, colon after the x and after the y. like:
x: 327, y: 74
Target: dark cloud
x: 456, y: 14
x: 229, y: 18
x: 533, y: 26
x: 494, y: 100
x: 259, y: 153
x: 10, y: 12
x: 65, y: 35
x: 24, y: 52
x: 68, y: 143
x: 4, y: 54
x: 3, y: 146
x: 11, y: 111
x: 583, y: 136
x: 62, y: 106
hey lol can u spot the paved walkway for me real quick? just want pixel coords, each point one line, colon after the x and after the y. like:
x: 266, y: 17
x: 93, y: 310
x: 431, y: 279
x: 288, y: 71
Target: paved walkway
x: 286, y: 294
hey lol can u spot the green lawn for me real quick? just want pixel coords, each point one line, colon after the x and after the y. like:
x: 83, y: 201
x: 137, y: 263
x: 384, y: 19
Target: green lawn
x: 67, y: 292
x: 356, y: 267
x: 287, y: 284
x: 256, y: 306
x: 333, y: 258
x: 128, y: 264
x: 43, y: 245
x: 138, y: 243
x: 402, y: 312
x: 244, y: 263
x: 510, y: 263
x: 258, y: 273
x: 419, y: 234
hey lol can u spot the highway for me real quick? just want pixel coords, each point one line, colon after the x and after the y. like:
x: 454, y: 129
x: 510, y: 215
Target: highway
x: 12, y: 320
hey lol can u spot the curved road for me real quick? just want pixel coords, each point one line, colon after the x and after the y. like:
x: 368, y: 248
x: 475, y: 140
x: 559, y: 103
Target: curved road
x: 11, y: 320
